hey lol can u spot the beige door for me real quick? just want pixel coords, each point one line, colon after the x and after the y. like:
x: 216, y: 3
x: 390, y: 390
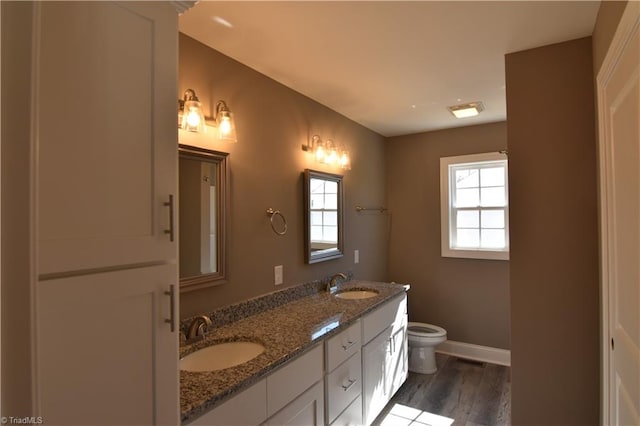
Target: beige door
x: 619, y: 106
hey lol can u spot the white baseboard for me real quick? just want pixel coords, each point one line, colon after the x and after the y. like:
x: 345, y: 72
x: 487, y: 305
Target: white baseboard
x: 475, y: 352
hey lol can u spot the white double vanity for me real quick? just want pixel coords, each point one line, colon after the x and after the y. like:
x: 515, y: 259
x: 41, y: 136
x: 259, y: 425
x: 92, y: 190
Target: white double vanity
x: 345, y: 376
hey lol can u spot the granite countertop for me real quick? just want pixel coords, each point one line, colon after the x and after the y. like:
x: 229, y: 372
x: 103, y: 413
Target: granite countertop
x: 286, y: 331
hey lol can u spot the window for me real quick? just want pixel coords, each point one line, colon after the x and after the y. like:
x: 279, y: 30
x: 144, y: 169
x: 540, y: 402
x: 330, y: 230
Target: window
x: 475, y: 206
x: 324, y: 213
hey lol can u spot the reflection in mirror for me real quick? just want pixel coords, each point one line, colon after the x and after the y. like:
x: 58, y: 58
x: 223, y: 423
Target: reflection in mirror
x: 323, y: 216
x: 203, y: 194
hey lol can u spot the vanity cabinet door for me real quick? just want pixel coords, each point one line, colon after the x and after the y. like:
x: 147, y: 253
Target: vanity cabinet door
x: 399, y: 361
x: 244, y: 409
x: 385, y: 357
x: 307, y: 409
x: 291, y: 380
x: 106, y: 134
x: 375, y: 375
x: 104, y: 353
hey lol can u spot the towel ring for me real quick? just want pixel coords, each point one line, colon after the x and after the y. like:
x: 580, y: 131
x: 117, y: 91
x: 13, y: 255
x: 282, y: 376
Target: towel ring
x: 273, y: 213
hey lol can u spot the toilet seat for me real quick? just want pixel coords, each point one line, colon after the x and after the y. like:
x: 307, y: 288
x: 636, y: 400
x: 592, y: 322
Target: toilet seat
x: 425, y: 330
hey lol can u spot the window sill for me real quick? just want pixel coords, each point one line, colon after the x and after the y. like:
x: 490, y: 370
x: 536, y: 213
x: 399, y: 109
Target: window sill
x: 476, y: 254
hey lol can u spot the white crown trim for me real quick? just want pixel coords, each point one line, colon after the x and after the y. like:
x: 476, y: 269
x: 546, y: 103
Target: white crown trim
x: 183, y: 6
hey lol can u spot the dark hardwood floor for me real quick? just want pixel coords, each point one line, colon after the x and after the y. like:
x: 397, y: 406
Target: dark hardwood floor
x: 460, y: 393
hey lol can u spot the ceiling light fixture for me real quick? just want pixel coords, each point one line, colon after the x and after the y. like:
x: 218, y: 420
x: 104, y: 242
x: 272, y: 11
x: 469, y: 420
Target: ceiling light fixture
x: 466, y: 110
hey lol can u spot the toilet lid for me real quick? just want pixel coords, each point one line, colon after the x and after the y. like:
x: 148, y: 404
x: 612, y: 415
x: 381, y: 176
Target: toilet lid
x: 426, y: 329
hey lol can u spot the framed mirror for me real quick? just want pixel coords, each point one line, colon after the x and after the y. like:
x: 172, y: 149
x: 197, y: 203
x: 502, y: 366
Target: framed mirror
x: 323, y: 198
x: 203, y: 188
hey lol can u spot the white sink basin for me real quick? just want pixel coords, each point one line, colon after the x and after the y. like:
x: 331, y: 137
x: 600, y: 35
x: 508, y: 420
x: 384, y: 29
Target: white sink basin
x: 221, y: 356
x: 356, y: 294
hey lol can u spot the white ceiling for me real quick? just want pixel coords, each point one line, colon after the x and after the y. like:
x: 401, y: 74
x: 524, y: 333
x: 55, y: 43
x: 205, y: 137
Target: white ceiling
x: 391, y: 66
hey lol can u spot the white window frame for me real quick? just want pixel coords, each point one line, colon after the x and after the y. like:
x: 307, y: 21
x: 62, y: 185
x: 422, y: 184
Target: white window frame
x: 324, y: 240
x: 447, y: 220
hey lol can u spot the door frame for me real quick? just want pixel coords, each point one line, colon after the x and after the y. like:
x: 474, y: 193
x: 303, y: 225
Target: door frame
x: 628, y: 23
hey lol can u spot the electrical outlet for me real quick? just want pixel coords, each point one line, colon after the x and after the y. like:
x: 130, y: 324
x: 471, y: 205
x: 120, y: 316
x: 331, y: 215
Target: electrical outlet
x: 356, y: 256
x: 277, y: 275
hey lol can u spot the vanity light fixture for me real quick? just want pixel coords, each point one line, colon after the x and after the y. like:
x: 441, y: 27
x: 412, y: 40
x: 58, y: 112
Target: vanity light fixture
x: 190, y: 116
x: 466, y: 110
x: 328, y: 152
x: 192, y: 119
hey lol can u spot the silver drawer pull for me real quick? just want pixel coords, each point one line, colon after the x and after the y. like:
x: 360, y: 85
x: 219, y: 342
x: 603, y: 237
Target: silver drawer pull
x: 348, y: 345
x: 350, y: 385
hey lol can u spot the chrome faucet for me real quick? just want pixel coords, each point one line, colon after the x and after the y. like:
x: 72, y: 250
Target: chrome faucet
x: 334, y: 280
x: 198, y: 327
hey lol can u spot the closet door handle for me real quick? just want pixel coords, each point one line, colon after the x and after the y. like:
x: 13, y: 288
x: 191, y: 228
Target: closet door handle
x: 172, y: 307
x: 170, y: 205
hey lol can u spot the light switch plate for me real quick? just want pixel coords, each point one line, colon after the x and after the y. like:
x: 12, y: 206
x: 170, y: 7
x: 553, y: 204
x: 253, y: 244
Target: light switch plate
x: 356, y: 256
x: 277, y: 275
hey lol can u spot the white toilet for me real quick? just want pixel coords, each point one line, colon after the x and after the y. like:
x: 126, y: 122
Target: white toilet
x: 423, y: 339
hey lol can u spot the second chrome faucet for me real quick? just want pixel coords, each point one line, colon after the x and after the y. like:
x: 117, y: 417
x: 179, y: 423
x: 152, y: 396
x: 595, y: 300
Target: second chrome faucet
x: 333, y: 282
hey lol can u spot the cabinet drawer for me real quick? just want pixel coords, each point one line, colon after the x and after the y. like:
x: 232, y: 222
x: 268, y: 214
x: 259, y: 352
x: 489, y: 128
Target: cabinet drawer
x: 340, y: 347
x: 352, y: 416
x: 293, y: 379
x: 390, y: 313
x: 344, y: 384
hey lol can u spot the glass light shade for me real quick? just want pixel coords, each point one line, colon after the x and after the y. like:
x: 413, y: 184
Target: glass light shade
x: 192, y: 117
x: 345, y: 160
x: 331, y: 154
x: 226, y: 127
x: 319, y: 151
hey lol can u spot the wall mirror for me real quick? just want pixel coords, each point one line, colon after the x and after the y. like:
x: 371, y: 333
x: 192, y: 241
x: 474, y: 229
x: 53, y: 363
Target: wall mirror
x: 323, y: 197
x: 203, y: 185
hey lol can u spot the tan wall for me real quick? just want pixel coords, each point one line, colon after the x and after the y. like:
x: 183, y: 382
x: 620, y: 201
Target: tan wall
x: 468, y: 297
x: 16, y: 316
x: 16, y: 114
x: 554, y: 239
x: 266, y: 171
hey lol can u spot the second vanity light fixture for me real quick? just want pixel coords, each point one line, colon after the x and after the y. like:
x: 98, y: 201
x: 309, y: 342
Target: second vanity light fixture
x: 191, y: 117
x: 328, y: 152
